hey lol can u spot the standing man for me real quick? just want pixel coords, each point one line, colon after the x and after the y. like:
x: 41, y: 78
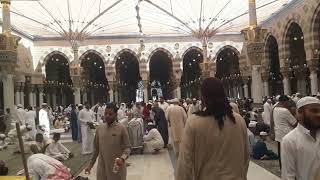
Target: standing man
x: 194, y: 107
x: 284, y: 121
x: 177, y: 118
x: 74, y: 123
x: 80, y: 107
x: 21, y: 114
x: 44, y: 121
x: 300, y: 151
x: 267, y: 107
x: 86, y: 117
x: 31, y: 120
x: 161, y: 123
x: 112, y: 145
x: 163, y: 105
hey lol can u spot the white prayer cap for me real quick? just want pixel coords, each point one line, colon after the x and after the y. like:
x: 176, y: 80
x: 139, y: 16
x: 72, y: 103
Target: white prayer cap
x: 150, y: 124
x: 80, y: 105
x: 44, y: 104
x: 194, y: 99
x: 20, y: 106
x: 277, y: 97
x: 269, y: 100
x: 263, y: 133
x: 2, y: 136
x: 318, y: 94
x: 253, y: 124
x: 297, y: 94
x: 307, y: 100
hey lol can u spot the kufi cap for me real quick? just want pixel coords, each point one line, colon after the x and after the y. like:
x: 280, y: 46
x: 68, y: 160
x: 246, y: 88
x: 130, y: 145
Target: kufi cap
x: 20, y: 106
x: 2, y: 135
x: 307, y: 100
x: 269, y: 100
x: 150, y: 124
x: 263, y: 133
x: 194, y: 99
x: 277, y: 97
x: 253, y: 124
x: 80, y: 105
x: 175, y: 100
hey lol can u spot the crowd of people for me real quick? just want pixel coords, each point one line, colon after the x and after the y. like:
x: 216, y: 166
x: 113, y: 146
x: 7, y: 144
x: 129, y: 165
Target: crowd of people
x: 212, y: 138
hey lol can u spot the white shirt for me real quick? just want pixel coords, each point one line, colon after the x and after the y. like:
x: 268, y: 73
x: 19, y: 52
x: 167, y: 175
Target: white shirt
x: 267, y: 112
x: 21, y: 113
x: 85, y: 116
x: 300, y: 155
x: 283, y: 122
x: 30, y: 117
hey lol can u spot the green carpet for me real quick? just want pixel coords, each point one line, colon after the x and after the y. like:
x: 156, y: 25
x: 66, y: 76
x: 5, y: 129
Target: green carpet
x: 14, y: 161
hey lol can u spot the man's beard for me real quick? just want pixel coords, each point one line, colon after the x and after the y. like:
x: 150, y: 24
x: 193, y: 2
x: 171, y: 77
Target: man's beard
x: 309, y: 124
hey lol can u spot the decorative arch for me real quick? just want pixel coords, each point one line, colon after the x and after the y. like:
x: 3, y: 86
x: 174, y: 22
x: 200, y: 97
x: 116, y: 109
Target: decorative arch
x: 126, y: 50
x: 160, y: 49
x: 190, y: 49
x: 270, y: 37
x: 228, y: 47
x: 315, y: 29
x: 81, y: 58
x: 286, y: 40
x: 46, y: 59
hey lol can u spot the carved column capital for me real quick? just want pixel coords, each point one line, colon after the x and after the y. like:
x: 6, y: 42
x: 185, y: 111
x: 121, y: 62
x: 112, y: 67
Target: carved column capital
x: 313, y: 65
x: 285, y: 72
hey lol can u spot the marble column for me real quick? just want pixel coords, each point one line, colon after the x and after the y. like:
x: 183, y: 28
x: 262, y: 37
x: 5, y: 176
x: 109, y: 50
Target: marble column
x: 116, y: 97
x: 286, y: 85
x: 34, y: 98
x: 301, y: 81
x: 84, y: 96
x: 54, y: 99
x: 22, y: 95
x: 6, y: 22
x: 111, y: 95
x: 40, y: 96
x: 235, y: 91
x: 246, y: 90
x: 266, y: 88
x: 241, y: 91
x: 8, y: 91
x: 252, y: 13
x: 30, y: 96
x: 256, y: 85
x: 314, y: 82
x: 77, y: 96
x: 17, y: 94
x: 92, y: 97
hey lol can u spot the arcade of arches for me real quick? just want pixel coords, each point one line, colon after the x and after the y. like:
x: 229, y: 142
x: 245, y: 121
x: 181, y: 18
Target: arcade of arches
x: 284, y: 60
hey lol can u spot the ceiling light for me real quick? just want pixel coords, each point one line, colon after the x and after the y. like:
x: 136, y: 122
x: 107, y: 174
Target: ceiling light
x: 199, y: 55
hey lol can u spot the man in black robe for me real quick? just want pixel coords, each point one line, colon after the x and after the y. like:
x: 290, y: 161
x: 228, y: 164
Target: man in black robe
x: 161, y: 123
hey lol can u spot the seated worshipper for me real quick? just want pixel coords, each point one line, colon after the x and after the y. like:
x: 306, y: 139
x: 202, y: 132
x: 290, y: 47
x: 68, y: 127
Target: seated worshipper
x: 260, y: 150
x: 3, y: 169
x: 57, y: 150
x: 41, y: 166
x: 40, y: 144
x: 251, y: 136
x: 153, y: 141
x: 57, y: 122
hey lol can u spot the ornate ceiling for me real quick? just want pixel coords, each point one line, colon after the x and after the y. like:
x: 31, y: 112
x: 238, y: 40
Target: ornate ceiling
x: 80, y: 19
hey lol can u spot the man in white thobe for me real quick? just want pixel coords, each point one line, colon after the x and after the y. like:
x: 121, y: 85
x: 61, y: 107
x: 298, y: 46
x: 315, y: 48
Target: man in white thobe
x: 21, y: 113
x: 31, y: 121
x: 153, y: 141
x: 300, y: 151
x: 267, y: 107
x: 44, y: 121
x: 86, y: 117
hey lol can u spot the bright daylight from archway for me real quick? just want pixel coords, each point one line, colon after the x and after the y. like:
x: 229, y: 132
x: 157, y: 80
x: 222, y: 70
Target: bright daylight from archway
x: 160, y: 89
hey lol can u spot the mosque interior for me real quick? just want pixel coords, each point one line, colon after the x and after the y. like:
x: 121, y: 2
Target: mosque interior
x: 73, y: 51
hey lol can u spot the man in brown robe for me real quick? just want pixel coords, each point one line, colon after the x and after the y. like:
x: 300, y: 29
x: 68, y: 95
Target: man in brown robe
x: 177, y: 118
x: 111, y: 142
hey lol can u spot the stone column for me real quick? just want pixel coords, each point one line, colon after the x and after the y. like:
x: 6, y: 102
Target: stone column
x: 265, y: 79
x: 30, y: 95
x: 313, y: 67
x: 8, y: 91
x: 6, y: 24
x: 77, y: 95
x: 40, y: 95
x: 241, y: 91
x: 22, y: 95
x: 286, y: 83
x: 256, y: 85
x: 54, y: 98
x: 178, y: 89
x: 17, y: 94
x: 92, y: 96
x: 111, y: 95
x: 252, y: 13
x: 145, y: 91
x: 34, y: 93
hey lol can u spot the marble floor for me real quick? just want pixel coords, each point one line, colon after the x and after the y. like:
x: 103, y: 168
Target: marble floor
x: 159, y: 167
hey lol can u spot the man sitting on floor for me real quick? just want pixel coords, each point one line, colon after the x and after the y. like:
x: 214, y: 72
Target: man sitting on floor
x: 41, y: 144
x: 57, y: 150
x: 260, y: 150
x: 153, y: 141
